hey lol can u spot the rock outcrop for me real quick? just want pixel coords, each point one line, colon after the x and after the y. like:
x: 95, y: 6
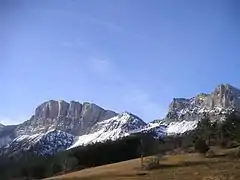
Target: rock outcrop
x: 74, y: 118
x: 183, y: 113
x: 225, y: 96
x: 59, y: 121
x: 223, y: 100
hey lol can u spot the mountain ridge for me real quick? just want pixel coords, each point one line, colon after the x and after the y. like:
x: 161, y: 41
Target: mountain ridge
x: 60, y: 125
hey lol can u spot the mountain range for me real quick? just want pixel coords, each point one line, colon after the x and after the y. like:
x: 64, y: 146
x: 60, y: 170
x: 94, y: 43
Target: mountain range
x: 60, y: 125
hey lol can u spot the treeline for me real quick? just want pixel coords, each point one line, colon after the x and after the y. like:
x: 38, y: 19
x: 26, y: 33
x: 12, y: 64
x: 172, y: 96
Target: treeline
x: 28, y: 165
x: 224, y: 133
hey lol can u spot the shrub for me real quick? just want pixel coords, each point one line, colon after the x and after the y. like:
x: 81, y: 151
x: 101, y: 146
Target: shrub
x: 201, y: 146
x: 232, y: 144
x: 153, y: 162
x: 210, y: 154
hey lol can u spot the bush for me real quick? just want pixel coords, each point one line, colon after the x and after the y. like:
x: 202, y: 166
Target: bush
x: 201, y: 146
x: 228, y: 144
x: 153, y: 162
x: 232, y: 144
x: 210, y: 154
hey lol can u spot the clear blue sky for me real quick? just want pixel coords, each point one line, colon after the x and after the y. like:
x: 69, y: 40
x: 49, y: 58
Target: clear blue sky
x: 133, y: 55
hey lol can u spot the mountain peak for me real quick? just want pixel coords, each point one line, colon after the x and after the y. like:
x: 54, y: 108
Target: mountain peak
x: 71, y: 117
x: 53, y: 109
x: 222, y: 100
x: 225, y: 96
x: 126, y: 113
x: 227, y: 86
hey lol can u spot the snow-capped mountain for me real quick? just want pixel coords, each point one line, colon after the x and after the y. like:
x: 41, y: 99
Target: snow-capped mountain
x: 74, y: 118
x: 184, y: 114
x: 53, y: 127
x: 59, y: 125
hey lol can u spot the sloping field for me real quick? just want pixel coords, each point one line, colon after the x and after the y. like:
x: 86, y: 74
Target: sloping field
x: 122, y: 170
x: 172, y: 167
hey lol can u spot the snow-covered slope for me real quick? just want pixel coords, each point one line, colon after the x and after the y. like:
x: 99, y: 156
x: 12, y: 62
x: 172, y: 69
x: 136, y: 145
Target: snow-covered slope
x: 112, y: 129
x: 156, y: 129
x: 181, y: 127
x: 184, y: 114
x: 53, y: 142
x: 42, y: 144
x: 222, y: 101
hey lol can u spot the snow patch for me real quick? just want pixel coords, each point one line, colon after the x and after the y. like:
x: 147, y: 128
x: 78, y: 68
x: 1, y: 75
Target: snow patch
x: 181, y: 127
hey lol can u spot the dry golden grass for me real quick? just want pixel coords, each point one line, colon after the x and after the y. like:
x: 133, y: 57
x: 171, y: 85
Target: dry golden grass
x: 172, y: 167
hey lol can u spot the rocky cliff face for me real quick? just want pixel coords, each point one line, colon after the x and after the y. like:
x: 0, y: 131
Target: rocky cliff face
x: 183, y: 113
x: 73, y: 118
x: 224, y: 99
x: 55, y: 123
x: 225, y: 96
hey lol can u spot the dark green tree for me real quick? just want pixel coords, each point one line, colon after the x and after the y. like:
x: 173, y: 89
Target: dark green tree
x: 204, y: 130
x: 201, y: 146
x: 230, y: 128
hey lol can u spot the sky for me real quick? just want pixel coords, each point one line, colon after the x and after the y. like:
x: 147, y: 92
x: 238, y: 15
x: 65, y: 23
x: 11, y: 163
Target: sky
x: 124, y: 55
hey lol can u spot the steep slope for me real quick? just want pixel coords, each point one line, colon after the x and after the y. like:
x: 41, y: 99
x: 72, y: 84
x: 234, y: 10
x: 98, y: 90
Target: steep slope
x: 156, y: 129
x: 183, y: 114
x: 40, y: 144
x: 73, y: 118
x: 111, y: 129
